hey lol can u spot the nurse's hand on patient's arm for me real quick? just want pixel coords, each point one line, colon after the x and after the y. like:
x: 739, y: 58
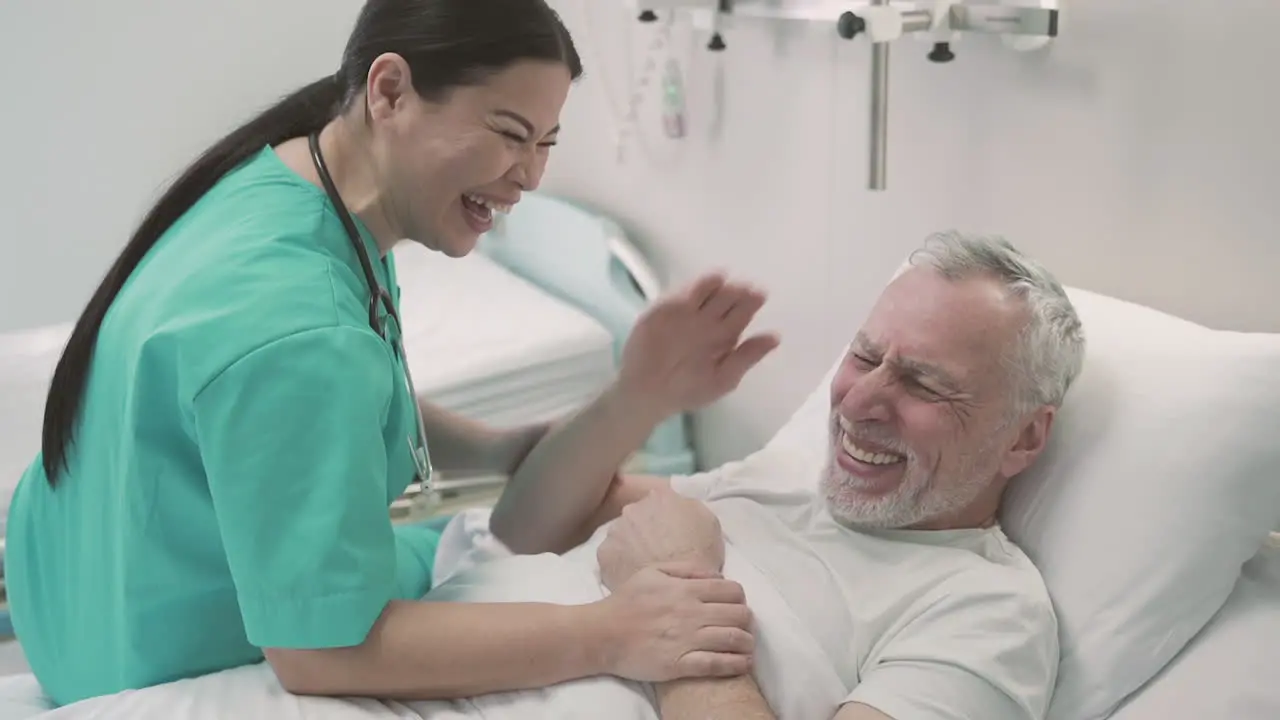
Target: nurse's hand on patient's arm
x: 665, y: 622
x: 667, y: 537
x: 673, y: 620
x: 664, y: 526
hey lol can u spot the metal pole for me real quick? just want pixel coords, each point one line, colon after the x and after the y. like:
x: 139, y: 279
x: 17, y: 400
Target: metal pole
x: 879, y: 110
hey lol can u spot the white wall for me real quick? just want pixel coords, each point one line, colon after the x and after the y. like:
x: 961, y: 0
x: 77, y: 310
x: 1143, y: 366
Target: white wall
x: 1135, y: 158
x: 1139, y: 158
x: 105, y: 102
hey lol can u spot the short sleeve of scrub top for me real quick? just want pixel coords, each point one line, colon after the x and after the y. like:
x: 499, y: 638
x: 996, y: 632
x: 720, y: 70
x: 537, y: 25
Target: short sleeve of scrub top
x: 298, y: 424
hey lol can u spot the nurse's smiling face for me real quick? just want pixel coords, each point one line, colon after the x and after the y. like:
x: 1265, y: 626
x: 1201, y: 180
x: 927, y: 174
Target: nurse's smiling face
x: 447, y: 165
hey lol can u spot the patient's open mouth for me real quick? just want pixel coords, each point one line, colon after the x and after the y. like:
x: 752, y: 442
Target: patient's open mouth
x: 868, y: 456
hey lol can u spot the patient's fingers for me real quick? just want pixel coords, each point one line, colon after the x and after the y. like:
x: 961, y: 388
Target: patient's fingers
x: 725, y: 640
x: 727, y: 615
x: 743, y: 311
x: 718, y: 591
x: 746, y: 356
x: 704, y: 288
x: 723, y: 300
x: 709, y: 664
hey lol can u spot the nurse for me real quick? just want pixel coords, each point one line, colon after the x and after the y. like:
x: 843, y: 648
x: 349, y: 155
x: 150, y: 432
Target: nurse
x: 231, y: 418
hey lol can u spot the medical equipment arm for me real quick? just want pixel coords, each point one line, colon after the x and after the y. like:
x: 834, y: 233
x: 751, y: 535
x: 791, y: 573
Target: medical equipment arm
x: 737, y: 698
x: 563, y: 480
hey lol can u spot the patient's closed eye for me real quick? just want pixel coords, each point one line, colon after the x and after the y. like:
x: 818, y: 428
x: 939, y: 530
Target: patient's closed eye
x: 916, y: 385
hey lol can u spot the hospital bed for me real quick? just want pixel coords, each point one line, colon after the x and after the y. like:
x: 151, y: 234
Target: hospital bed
x: 1148, y: 515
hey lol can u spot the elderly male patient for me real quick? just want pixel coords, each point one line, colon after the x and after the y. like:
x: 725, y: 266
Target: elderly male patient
x: 893, y: 561
x: 883, y: 589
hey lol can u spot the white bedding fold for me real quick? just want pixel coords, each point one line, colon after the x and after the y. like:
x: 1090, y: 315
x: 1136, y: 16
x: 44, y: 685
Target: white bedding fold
x: 794, y: 673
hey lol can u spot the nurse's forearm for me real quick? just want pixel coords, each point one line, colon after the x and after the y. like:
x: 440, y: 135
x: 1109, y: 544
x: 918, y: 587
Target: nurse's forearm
x: 429, y: 651
x: 565, y: 477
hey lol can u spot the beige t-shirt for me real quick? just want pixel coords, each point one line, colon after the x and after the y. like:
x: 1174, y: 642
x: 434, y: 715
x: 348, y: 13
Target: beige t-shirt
x: 921, y: 625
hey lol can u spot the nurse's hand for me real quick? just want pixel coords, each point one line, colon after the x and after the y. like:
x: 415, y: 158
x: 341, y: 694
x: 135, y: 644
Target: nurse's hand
x: 675, y: 621
x: 687, y: 350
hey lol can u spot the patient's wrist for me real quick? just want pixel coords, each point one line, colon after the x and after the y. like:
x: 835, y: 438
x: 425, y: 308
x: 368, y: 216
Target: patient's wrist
x: 640, y: 409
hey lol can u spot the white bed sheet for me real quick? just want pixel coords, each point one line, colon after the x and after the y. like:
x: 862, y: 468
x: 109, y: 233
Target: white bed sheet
x: 516, y: 354
x: 1227, y: 672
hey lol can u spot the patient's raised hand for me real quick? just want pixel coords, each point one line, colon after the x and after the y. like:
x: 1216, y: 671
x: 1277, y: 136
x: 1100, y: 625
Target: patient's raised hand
x: 675, y: 621
x: 688, y: 349
x: 664, y: 527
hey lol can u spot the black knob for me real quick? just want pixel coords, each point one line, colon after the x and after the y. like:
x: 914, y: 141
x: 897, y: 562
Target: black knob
x: 648, y: 16
x: 941, y: 53
x: 716, y: 44
x: 849, y: 25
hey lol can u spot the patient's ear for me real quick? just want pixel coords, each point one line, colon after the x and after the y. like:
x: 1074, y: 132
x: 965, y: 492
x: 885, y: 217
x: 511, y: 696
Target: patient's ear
x: 1029, y: 442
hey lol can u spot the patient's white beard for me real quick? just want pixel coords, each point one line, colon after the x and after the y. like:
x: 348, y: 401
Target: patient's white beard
x: 917, y: 499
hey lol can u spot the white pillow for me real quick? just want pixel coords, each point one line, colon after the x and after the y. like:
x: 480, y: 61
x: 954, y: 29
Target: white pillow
x: 1228, y: 670
x: 27, y: 360
x: 1160, y: 481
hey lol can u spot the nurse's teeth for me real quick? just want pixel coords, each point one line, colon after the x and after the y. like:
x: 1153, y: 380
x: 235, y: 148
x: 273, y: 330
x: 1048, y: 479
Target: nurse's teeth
x: 866, y: 456
x: 492, y: 205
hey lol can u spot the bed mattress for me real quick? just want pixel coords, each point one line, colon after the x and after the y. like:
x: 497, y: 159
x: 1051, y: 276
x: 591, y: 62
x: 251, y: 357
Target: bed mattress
x: 486, y: 343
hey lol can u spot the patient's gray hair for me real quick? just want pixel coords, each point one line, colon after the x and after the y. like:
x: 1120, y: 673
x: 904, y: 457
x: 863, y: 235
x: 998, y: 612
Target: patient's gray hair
x: 1051, y: 347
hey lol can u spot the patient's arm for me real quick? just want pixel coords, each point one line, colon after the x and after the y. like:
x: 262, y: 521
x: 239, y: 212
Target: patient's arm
x: 563, y: 479
x: 461, y: 445
x: 624, y: 490
x: 737, y: 698
x: 856, y: 711
x: 629, y: 488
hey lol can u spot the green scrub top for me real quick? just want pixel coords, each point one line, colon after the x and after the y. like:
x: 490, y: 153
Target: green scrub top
x: 242, y: 435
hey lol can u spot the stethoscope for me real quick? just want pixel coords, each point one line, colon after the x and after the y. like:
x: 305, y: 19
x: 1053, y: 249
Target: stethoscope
x: 379, y: 299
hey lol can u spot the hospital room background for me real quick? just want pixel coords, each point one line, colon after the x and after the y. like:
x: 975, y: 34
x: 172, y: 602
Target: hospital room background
x: 1136, y: 156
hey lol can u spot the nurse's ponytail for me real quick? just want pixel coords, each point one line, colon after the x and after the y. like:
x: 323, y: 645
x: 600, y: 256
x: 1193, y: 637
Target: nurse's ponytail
x: 301, y: 113
x: 447, y: 44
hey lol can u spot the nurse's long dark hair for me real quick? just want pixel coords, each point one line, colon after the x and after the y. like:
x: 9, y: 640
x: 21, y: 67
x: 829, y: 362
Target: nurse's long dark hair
x: 447, y: 44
